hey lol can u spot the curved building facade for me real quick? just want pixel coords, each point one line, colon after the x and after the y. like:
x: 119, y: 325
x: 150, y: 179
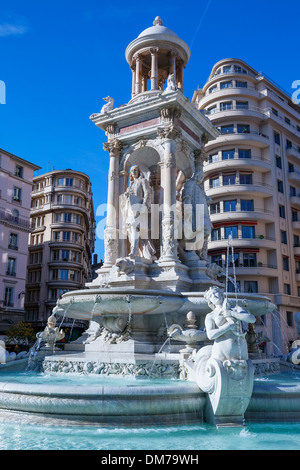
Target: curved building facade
x: 62, y: 241
x: 252, y: 177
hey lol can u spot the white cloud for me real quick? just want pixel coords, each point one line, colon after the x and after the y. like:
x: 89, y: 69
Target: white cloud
x: 8, y: 29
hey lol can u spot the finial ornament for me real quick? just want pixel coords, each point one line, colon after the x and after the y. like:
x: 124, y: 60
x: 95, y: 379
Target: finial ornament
x: 157, y: 21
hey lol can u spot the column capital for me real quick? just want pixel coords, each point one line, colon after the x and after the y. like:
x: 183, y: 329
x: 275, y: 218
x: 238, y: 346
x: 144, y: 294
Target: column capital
x: 154, y: 50
x: 170, y: 113
x: 114, y: 147
x: 170, y: 131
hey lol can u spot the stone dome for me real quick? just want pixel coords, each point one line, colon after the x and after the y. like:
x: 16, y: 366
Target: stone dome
x: 157, y: 29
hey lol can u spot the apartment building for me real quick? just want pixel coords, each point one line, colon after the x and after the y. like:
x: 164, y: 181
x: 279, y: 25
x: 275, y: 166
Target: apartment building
x: 16, y: 176
x: 61, y: 243
x: 253, y: 178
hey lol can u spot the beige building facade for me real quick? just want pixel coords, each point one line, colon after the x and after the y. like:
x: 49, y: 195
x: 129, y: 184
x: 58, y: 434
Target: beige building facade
x: 16, y: 176
x: 62, y: 240
x: 252, y: 176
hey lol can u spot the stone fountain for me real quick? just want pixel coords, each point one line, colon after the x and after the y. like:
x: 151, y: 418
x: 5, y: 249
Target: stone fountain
x: 156, y: 285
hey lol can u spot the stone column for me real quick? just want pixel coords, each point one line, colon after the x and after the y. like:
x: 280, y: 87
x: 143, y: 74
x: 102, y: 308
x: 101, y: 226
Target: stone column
x: 172, y: 69
x: 180, y: 75
x: 133, y: 80
x: 154, y: 68
x: 168, y: 181
x: 111, y: 238
x: 138, y: 73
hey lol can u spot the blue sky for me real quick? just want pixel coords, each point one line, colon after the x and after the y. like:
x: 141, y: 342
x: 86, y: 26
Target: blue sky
x: 60, y: 58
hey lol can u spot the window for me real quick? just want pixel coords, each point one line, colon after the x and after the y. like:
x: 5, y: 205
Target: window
x: 216, y: 234
x: 251, y: 287
x: 245, y: 178
x: 244, y: 153
x: 287, y: 120
x: 285, y: 263
x: 226, y: 105
x: 289, y: 144
x: 11, y: 267
x: 234, y: 261
x: 213, y: 89
x: 291, y: 168
x: 243, y: 128
x: 227, y: 69
x: 287, y: 289
x: 290, y: 318
x: 292, y: 191
x: 232, y: 288
x: 274, y: 111
x: 64, y: 274
x: 227, y: 129
x: 17, y: 194
x: 212, y: 110
x: 283, y: 237
x: 13, y: 241
x: 9, y: 297
x: 248, y: 231
x: 294, y: 216
x: 69, y: 181
x: 277, y: 138
x: 242, y: 105
x: 214, y: 158
x: 61, y: 181
x: 54, y: 274
x: 217, y: 259
x: 279, y: 162
x: 55, y: 255
x: 296, y: 240
x: 233, y: 231
x: 240, y: 84
x: 15, y: 216
x: 66, y: 236
x: 215, y: 208
x: 65, y: 255
x: 19, y: 171
x: 247, y: 205
x: 224, y: 85
x: 228, y: 154
x: 282, y: 212
x: 214, y: 182
x: 249, y: 260
x: 280, y: 186
x: 230, y: 206
x: 229, y: 179
x: 68, y: 217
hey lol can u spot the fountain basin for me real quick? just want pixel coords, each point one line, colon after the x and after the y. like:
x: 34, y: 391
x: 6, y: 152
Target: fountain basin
x: 87, y: 303
x: 122, y: 402
x: 121, y: 405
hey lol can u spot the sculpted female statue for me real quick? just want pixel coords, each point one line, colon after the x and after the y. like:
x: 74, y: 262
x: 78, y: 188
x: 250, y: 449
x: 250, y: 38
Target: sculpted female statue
x: 223, y: 326
x: 135, y: 206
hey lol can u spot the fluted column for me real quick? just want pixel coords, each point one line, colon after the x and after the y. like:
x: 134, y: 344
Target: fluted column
x: 168, y: 182
x: 111, y: 238
x: 138, y: 74
x: 133, y: 80
x: 154, y: 68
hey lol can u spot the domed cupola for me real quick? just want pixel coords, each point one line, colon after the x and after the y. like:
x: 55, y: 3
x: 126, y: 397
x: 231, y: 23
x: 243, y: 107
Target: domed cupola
x: 154, y: 55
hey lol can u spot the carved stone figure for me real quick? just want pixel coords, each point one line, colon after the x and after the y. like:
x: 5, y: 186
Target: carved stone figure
x: 135, y: 206
x: 171, y: 83
x: 224, y: 364
x: 108, y: 106
x: 197, y: 224
x: 51, y: 333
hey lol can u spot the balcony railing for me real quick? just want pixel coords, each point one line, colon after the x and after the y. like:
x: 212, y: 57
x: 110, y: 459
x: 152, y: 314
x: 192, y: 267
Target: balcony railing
x: 5, y: 217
